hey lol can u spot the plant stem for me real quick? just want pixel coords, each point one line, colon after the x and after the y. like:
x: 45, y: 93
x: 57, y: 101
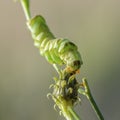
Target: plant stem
x: 88, y: 94
x: 25, y: 6
x: 58, y: 70
x: 73, y: 113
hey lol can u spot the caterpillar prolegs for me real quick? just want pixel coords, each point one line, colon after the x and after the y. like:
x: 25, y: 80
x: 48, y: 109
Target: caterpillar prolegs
x: 56, y: 50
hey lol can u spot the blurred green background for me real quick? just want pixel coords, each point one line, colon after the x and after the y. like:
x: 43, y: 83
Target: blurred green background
x: 94, y: 25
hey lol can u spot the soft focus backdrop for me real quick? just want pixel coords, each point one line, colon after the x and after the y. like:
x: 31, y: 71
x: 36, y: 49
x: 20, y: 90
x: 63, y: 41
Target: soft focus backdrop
x: 94, y: 25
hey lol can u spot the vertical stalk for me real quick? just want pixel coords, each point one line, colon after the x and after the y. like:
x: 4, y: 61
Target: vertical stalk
x: 73, y: 113
x: 88, y: 94
x: 25, y: 6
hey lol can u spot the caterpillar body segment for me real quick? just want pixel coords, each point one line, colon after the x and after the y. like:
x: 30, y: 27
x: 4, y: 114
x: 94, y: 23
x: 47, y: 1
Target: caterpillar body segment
x: 56, y: 50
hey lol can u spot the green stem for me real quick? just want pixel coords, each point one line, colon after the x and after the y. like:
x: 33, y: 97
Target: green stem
x: 58, y: 70
x: 25, y: 6
x: 73, y: 113
x: 88, y: 94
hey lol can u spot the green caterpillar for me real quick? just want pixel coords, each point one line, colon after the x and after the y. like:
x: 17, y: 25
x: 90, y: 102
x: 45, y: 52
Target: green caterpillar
x: 56, y: 50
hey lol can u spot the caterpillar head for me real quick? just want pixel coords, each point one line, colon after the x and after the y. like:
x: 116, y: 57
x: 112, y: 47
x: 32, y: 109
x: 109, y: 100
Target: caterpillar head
x: 74, y: 62
x: 73, y: 67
